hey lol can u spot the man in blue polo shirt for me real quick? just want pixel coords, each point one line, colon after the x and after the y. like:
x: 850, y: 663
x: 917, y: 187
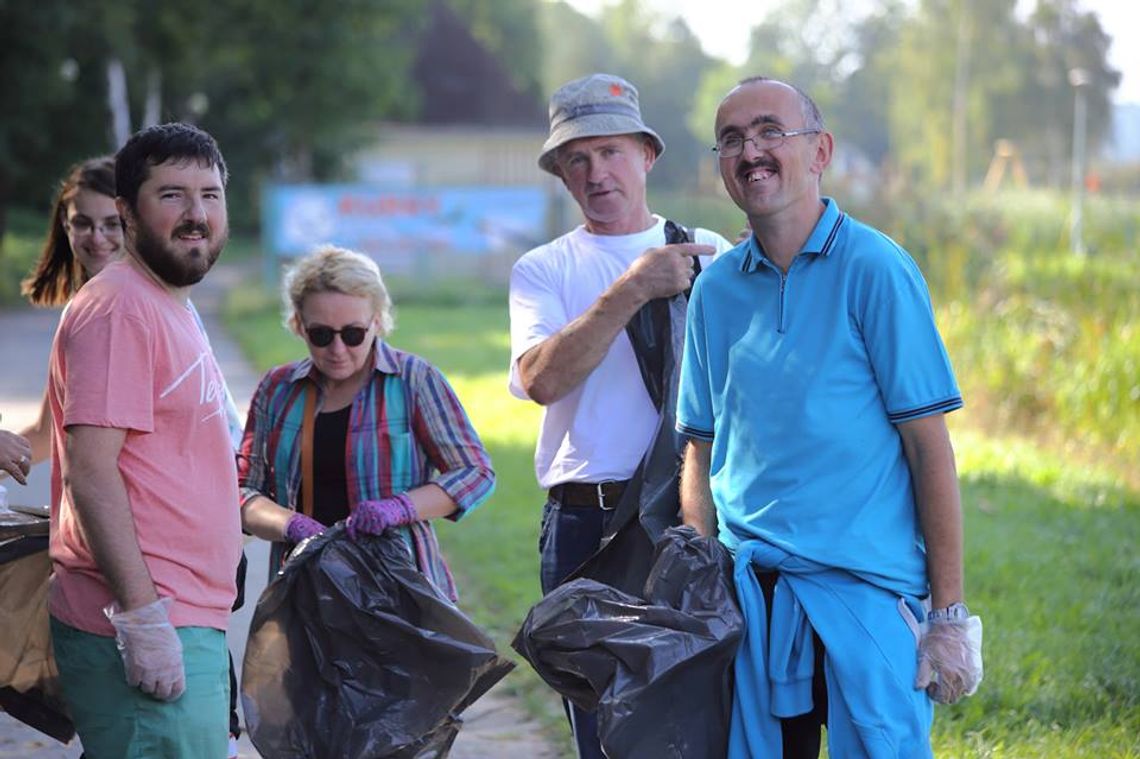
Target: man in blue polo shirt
x: 813, y: 389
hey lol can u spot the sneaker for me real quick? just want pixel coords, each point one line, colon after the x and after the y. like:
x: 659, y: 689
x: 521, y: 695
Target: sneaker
x: 233, y: 751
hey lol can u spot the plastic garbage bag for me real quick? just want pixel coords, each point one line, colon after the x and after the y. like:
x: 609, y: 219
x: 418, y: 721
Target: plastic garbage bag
x: 651, y: 501
x: 648, y: 329
x: 657, y: 668
x: 353, y: 652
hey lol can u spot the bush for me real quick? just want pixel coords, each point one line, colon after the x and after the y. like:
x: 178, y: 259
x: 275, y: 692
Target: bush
x: 18, y: 252
x: 1047, y: 341
x: 1042, y: 341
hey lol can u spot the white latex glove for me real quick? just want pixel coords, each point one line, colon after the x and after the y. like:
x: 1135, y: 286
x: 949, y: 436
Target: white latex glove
x: 950, y: 659
x: 151, y: 650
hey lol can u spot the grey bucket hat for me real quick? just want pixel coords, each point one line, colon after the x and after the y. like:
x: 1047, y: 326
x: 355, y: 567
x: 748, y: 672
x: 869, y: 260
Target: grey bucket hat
x: 593, y: 106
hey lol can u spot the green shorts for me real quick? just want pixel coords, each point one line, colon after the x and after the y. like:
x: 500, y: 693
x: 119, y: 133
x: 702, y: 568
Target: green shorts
x: 117, y: 721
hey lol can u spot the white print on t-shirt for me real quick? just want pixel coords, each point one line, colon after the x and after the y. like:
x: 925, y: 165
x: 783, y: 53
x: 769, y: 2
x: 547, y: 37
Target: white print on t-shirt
x: 209, y: 388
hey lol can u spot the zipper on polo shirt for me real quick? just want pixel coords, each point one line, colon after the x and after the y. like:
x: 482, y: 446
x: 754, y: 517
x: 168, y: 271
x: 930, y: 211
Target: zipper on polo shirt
x: 780, y: 319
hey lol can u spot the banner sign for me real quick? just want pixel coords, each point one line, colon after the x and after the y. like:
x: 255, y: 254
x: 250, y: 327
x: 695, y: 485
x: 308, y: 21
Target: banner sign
x: 396, y: 226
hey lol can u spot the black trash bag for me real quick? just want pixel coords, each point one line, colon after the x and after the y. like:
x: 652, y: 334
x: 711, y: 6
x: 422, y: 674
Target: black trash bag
x: 656, y: 668
x: 352, y: 652
x: 651, y: 501
x: 648, y: 329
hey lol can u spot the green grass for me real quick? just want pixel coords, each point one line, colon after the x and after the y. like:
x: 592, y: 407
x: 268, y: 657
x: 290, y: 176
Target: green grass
x: 1052, y: 568
x: 21, y: 245
x: 1052, y: 565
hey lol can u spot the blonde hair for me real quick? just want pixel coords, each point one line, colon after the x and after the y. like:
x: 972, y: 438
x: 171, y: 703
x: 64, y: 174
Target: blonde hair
x: 333, y: 269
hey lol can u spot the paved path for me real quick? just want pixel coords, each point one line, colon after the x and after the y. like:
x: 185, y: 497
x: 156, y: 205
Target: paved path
x: 495, y: 726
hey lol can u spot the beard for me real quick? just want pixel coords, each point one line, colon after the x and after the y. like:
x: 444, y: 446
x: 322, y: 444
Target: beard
x: 179, y: 270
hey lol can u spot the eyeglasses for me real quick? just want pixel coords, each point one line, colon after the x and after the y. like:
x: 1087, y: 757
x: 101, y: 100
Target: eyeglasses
x: 322, y: 337
x: 768, y: 138
x: 83, y: 226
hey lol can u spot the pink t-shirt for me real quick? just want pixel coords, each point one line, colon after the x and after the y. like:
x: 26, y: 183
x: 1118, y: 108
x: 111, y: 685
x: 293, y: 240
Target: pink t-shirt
x: 129, y: 355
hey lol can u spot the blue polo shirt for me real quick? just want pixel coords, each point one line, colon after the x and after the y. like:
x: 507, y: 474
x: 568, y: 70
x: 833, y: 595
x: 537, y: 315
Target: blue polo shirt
x: 798, y: 380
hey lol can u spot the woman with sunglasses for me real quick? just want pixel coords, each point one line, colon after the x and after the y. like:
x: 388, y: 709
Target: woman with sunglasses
x: 391, y: 446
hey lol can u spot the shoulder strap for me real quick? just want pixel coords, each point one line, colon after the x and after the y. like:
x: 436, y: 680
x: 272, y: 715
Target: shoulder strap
x: 307, y: 425
x: 675, y: 233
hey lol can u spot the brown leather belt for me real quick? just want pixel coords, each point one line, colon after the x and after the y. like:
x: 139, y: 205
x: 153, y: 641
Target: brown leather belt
x: 589, y: 495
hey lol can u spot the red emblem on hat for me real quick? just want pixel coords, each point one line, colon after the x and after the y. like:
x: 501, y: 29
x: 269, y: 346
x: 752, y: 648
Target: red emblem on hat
x: 615, y: 89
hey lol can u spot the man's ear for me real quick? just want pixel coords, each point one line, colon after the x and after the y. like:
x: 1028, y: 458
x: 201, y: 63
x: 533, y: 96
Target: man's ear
x: 125, y: 213
x: 650, y: 151
x: 824, y: 150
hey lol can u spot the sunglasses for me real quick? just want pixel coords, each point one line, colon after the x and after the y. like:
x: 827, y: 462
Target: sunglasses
x: 322, y: 337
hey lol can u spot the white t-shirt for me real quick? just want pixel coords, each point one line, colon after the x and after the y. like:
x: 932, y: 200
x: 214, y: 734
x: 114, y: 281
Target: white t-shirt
x: 601, y: 429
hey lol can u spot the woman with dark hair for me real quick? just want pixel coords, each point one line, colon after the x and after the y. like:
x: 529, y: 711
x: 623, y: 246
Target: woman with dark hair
x: 85, y: 233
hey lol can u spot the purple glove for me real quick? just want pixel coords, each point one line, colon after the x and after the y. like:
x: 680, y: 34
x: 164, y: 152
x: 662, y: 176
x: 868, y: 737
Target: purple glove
x: 950, y: 659
x: 373, y: 517
x: 301, y: 526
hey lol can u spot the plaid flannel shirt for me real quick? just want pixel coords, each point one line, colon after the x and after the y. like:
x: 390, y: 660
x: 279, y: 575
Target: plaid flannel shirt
x: 406, y: 429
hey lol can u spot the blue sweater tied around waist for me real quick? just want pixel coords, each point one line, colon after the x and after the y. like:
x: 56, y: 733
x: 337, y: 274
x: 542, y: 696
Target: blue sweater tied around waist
x: 870, y: 635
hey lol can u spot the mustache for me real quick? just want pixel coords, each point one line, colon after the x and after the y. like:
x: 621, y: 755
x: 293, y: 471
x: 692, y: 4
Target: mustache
x: 762, y: 162
x: 191, y: 227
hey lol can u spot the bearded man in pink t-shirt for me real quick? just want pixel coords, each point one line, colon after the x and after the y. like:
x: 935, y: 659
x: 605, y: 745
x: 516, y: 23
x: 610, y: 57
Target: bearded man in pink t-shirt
x: 145, y: 533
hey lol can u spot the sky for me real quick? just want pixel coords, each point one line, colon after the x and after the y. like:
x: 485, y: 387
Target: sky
x: 723, y: 27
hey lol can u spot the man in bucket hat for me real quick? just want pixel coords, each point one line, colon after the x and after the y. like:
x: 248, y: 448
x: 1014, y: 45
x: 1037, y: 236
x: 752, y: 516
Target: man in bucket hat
x: 570, y: 300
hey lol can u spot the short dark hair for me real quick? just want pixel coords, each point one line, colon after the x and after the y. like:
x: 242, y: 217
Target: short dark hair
x: 813, y: 119
x: 158, y: 144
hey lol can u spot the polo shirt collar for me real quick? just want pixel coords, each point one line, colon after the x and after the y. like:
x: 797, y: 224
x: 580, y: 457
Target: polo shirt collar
x: 819, y: 242
x: 384, y: 361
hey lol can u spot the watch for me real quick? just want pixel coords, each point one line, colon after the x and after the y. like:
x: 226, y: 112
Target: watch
x: 956, y: 612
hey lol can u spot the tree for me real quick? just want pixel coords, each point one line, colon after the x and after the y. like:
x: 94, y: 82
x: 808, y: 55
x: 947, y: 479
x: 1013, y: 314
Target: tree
x: 1015, y: 87
x: 1061, y: 39
x: 664, y: 60
x: 833, y: 53
x: 289, y: 87
x: 863, y: 97
x: 573, y: 46
x: 52, y: 97
x: 509, y: 30
x: 295, y: 86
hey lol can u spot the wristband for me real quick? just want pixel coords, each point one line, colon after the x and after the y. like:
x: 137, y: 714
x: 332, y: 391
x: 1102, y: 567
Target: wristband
x: 955, y: 612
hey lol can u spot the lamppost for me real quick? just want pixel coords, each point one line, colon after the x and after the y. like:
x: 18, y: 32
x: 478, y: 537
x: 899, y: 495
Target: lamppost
x: 1080, y: 79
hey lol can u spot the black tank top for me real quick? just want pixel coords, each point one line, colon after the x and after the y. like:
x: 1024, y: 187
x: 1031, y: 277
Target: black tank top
x: 330, y: 490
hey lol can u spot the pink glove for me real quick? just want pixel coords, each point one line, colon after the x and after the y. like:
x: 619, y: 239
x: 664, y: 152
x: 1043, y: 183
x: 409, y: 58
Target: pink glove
x: 301, y: 526
x: 151, y: 650
x: 950, y: 659
x: 373, y: 517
